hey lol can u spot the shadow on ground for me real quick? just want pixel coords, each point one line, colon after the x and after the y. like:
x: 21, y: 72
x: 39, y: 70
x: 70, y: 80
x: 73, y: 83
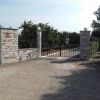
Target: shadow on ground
x: 83, y: 84
x: 68, y: 60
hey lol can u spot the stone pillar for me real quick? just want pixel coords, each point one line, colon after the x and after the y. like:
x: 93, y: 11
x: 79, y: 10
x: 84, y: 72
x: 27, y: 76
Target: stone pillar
x: 8, y: 45
x: 39, y: 40
x: 85, y: 44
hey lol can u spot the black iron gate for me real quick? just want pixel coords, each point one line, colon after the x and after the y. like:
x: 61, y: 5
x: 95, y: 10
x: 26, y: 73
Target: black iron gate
x: 60, y: 44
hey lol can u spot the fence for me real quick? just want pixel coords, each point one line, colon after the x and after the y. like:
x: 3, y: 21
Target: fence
x: 9, y: 51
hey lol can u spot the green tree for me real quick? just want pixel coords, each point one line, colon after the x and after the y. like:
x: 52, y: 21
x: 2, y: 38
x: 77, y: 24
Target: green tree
x: 64, y: 36
x: 74, y: 38
x: 96, y: 24
x: 50, y: 36
x: 28, y: 36
x: 96, y: 33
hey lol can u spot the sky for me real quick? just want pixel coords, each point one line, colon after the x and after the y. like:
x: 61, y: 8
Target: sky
x: 64, y: 15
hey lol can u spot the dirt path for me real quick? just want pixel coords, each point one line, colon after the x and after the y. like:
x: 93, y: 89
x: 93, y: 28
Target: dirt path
x: 55, y: 79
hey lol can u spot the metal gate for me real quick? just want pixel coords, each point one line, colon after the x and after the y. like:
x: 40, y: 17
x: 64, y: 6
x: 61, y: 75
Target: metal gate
x: 95, y: 47
x: 60, y: 45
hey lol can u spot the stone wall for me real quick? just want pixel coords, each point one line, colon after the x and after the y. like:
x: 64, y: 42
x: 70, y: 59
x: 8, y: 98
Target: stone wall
x: 26, y: 54
x: 9, y: 51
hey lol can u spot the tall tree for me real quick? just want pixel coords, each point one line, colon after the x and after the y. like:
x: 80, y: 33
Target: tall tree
x: 27, y: 38
x: 96, y: 24
x: 74, y: 38
x: 50, y: 36
x: 64, y: 37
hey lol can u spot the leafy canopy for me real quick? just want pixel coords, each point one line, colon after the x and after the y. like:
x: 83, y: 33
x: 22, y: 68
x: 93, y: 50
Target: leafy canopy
x: 50, y: 36
x: 96, y: 24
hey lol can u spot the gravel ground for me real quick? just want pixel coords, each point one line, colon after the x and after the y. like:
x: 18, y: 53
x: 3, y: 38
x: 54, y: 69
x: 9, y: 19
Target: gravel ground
x: 50, y: 79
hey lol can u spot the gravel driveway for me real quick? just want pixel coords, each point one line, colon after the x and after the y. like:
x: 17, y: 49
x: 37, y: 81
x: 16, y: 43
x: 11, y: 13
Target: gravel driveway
x: 52, y: 79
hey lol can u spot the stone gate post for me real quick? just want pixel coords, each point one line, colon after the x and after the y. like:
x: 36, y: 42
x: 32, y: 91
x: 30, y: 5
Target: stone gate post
x: 8, y: 45
x: 39, y: 40
x: 85, y: 44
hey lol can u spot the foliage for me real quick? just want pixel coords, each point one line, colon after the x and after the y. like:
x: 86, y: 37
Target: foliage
x: 74, y: 38
x: 64, y: 35
x: 94, y: 47
x: 27, y: 38
x: 96, y: 33
x: 50, y: 36
x: 96, y: 24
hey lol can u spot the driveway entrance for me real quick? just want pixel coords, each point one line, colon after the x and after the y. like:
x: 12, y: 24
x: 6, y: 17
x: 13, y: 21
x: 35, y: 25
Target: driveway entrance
x: 52, y: 79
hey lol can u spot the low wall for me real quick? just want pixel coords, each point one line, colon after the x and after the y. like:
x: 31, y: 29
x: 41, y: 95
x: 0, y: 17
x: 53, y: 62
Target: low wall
x: 21, y: 55
x: 26, y: 54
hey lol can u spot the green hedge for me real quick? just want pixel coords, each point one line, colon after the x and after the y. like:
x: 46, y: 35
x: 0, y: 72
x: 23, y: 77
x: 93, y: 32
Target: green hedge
x: 94, y: 47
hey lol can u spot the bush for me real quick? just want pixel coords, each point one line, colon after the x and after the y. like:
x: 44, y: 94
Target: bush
x: 94, y: 47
